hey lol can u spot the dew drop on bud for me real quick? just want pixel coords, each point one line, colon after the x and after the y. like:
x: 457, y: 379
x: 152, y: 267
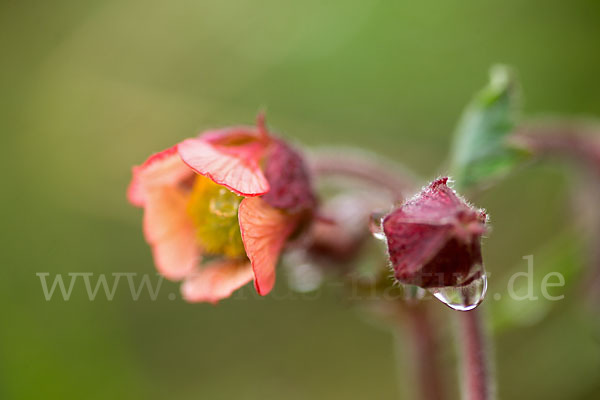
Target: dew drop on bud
x: 376, y: 225
x: 462, y: 298
x: 224, y: 203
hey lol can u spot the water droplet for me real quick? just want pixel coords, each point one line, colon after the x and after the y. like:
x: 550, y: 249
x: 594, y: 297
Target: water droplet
x: 462, y: 298
x: 376, y: 225
x: 224, y: 203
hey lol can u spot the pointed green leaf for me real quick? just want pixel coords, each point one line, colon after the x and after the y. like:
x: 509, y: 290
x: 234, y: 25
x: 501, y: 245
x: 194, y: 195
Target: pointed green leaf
x: 481, y: 150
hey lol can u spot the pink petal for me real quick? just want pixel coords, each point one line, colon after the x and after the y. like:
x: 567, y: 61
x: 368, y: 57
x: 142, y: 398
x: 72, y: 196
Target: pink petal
x: 233, y: 136
x: 170, y: 232
x: 230, y: 158
x: 216, y: 281
x: 265, y: 230
x: 164, y: 168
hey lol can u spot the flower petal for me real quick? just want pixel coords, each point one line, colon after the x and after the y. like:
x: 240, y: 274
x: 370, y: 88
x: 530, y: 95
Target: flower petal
x: 163, y: 168
x: 170, y: 232
x: 265, y: 230
x: 216, y: 281
x: 233, y: 166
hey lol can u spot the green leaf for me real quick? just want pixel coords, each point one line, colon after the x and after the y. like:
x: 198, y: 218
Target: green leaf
x: 481, y: 151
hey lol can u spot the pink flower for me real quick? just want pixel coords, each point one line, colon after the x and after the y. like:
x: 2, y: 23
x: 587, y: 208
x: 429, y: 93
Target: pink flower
x: 434, y: 239
x: 234, y: 196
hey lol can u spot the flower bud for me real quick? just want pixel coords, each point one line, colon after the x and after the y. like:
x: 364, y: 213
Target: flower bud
x: 434, y: 238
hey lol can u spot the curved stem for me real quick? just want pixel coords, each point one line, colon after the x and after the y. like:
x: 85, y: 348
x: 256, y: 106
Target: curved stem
x: 475, y: 368
x: 579, y: 142
x: 563, y: 139
x: 363, y: 167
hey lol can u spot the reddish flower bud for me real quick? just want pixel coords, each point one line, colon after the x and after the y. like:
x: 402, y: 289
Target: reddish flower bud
x: 434, y: 238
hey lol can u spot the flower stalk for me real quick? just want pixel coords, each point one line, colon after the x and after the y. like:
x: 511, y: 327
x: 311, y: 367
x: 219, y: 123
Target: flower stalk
x: 360, y: 166
x: 476, y: 375
x: 425, y: 354
x: 577, y: 142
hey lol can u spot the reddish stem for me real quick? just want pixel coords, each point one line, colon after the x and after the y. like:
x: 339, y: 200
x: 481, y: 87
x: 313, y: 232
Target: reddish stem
x: 577, y: 142
x: 475, y: 369
x: 425, y: 352
x: 365, y: 168
x: 580, y: 143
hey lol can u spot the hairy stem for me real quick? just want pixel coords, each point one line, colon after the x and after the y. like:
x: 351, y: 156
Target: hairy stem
x: 424, y: 348
x: 562, y: 139
x: 366, y: 168
x: 475, y: 369
x: 578, y: 142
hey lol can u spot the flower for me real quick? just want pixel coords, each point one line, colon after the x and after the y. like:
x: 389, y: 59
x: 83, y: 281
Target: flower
x: 434, y: 239
x: 233, y: 196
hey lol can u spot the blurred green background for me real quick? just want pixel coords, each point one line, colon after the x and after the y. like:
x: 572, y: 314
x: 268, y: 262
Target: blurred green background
x: 90, y: 88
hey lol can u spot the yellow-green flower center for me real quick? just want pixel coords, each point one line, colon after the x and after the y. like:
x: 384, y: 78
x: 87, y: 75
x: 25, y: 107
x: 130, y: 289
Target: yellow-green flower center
x: 214, y: 210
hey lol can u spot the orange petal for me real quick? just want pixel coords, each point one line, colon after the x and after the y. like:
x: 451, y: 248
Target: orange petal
x: 239, y: 171
x: 265, y: 230
x: 216, y: 281
x: 164, y: 168
x: 170, y: 232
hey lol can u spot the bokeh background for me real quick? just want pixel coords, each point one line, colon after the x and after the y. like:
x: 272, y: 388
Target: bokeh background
x: 90, y: 88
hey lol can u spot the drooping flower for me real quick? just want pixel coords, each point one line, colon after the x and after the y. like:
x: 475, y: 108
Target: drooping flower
x: 233, y: 196
x: 434, y: 239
